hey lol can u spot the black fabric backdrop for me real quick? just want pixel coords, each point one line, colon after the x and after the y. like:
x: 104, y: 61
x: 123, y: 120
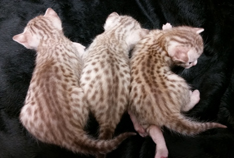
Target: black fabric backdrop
x: 82, y: 21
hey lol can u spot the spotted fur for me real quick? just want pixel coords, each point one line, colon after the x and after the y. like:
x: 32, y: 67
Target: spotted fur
x: 55, y: 111
x: 158, y: 95
x: 106, y: 74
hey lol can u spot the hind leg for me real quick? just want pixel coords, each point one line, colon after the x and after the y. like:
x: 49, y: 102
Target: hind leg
x: 194, y: 99
x: 141, y: 131
x: 158, y: 138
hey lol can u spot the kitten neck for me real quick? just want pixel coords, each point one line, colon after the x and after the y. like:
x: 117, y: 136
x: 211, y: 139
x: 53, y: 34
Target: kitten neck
x: 60, y: 39
x: 165, y: 60
x: 119, y: 44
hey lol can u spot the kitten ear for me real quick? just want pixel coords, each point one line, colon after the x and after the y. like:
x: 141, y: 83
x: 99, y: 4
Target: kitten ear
x: 179, y: 53
x: 198, y: 30
x: 110, y: 20
x: 50, y: 12
x: 113, y: 14
x: 27, y: 40
x: 21, y: 39
x: 166, y: 26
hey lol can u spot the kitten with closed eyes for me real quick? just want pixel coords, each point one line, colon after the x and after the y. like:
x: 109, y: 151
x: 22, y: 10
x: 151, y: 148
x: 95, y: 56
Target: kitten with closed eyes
x: 158, y: 96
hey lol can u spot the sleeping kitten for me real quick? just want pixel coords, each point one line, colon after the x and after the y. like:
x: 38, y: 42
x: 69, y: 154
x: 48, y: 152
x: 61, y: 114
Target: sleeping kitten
x: 158, y: 95
x: 106, y: 74
x: 54, y: 110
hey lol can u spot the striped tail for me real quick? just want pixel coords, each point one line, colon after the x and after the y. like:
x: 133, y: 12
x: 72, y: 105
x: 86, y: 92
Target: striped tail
x: 183, y: 125
x: 87, y: 145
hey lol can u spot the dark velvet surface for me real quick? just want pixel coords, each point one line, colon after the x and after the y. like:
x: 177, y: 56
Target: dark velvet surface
x: 82, y: 21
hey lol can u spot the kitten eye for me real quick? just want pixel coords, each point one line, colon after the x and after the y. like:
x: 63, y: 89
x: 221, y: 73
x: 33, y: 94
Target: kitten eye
x: 190, y: 63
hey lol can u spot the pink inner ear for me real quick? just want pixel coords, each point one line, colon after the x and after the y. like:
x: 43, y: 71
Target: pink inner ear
x: 23, y: 40
x: 20, y: 38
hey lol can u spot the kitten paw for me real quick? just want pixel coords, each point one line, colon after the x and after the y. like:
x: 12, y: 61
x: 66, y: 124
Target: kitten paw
x: 141, y: 131
x: 161, y: 153
x: 166, y: 26
x: 195, y: 97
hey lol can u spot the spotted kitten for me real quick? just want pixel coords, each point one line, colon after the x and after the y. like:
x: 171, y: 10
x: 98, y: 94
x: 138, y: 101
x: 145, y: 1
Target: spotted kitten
x: 158, y: 96
x: 106, y: 74
x: 54, y: 110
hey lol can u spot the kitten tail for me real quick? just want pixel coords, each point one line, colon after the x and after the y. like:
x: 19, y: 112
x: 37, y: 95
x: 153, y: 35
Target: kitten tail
x: 86, y: 145
x: 183, y: 125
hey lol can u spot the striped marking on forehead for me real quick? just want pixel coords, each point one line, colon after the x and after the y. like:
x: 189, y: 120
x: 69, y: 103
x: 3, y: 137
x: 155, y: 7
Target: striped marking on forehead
x: 186, y: 38
x: 124, y: 21
x: 127, y: 20
x: 41, y: 25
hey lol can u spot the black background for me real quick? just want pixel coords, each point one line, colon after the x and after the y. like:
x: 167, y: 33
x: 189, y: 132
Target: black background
x: 82, y: 21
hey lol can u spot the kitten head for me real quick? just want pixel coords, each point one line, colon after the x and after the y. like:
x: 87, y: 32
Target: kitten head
x: 40, y: 28
x: 128, y: 27
x: 184, y: 45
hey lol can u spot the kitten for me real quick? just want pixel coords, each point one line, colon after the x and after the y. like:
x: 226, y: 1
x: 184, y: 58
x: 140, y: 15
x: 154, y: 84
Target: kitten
x: 158, y: 95
x: 54, y: 110
x: 106, y: 74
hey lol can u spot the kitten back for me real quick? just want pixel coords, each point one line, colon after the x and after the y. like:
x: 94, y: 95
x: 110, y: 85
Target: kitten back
x: 55, y: 110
